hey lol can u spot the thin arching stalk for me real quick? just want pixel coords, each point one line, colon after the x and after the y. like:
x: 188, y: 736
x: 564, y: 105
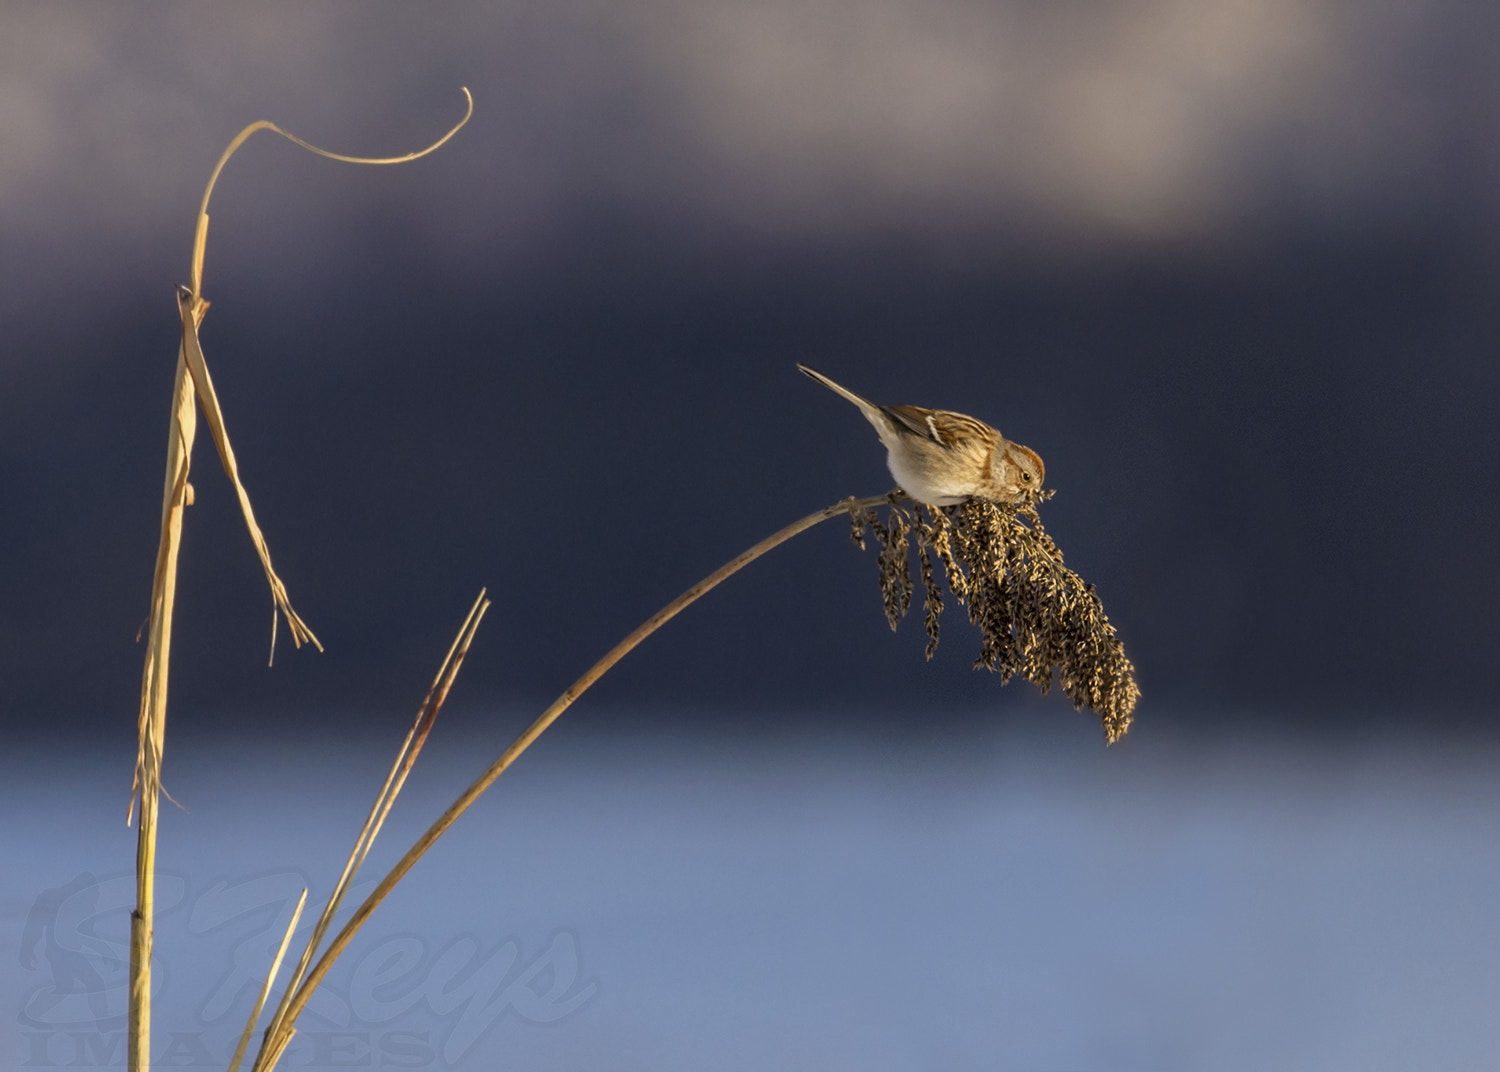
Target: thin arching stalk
x: 275, y: 1044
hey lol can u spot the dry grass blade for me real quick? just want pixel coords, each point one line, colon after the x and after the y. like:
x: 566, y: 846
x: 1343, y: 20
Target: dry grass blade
x: 279, y: 1031
x: 192, y: 306
x: 265, y: 991
x: 191, y: 309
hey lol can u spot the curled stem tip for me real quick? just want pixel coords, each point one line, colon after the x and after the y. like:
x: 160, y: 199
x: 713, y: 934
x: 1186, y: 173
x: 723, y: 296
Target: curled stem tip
x: 200, y: 237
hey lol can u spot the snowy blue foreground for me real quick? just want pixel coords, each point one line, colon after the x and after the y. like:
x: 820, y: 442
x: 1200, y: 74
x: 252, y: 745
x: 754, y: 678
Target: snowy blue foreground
x: 1022, y: 900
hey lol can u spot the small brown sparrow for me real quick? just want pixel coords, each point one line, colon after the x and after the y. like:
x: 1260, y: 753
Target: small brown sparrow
x: 941, y: 458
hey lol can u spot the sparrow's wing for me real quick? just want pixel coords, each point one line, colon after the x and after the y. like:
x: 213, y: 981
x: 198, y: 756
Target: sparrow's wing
x: 951, y: 430
x: 915, y: 420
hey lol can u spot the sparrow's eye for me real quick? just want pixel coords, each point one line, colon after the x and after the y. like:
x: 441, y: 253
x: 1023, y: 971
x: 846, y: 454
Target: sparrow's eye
x: 1026, y: 477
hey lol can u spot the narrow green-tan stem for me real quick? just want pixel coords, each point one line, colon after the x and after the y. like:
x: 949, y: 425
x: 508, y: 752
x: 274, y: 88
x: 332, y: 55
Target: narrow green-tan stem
x: 272, y: 1046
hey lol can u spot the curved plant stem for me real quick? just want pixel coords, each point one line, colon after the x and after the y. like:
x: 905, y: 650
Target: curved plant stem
x: 200, y: 234
x: 272, y: 1047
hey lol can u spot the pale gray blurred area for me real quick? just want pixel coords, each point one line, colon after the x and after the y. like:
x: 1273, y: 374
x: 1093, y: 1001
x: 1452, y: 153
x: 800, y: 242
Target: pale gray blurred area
x: 1024, y: 899
x: 1071, y: 131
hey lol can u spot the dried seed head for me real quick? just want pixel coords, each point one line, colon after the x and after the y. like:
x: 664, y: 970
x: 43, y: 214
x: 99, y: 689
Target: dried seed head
x: 895, y: 568
x: 860, y: 519
x: 1036, y: 618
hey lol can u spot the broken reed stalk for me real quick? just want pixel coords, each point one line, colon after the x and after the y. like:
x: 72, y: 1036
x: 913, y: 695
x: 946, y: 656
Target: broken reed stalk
x: 192, y: 385
x: 274, y: 1043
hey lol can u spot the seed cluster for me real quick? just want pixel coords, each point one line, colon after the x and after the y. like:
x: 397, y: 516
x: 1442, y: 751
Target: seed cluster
x: 1036, y: 617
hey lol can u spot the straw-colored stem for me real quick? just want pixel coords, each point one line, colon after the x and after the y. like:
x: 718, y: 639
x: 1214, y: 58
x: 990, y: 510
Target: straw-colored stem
x: 176, y: 495
x: 200, y: 234
x: 294, y: 1008
x: 265, y: 991
x: 192, y: 381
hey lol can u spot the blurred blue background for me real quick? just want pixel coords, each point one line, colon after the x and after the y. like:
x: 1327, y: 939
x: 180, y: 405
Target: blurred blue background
x: 1015, y: 898
x: 1229, y: 268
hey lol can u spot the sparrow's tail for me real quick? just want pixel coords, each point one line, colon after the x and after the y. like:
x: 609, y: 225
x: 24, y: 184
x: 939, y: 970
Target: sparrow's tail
x: 871, y: 411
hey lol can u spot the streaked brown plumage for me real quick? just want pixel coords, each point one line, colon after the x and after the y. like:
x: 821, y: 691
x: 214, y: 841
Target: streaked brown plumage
x: 940, y: 457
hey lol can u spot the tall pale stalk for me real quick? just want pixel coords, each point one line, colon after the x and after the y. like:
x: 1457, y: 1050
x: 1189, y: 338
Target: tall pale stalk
x: 175, y: 499
x: 192, y: 387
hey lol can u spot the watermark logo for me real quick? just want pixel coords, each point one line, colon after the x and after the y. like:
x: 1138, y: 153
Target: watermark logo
x: 396, y: 1001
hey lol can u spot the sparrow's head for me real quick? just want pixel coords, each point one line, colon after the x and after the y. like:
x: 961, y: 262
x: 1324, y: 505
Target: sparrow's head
x: 1023, y: 472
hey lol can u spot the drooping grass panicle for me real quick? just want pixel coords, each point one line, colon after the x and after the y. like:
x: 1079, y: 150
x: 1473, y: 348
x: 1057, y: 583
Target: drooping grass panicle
x: 895, y: 565
x: 1037, y: 619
